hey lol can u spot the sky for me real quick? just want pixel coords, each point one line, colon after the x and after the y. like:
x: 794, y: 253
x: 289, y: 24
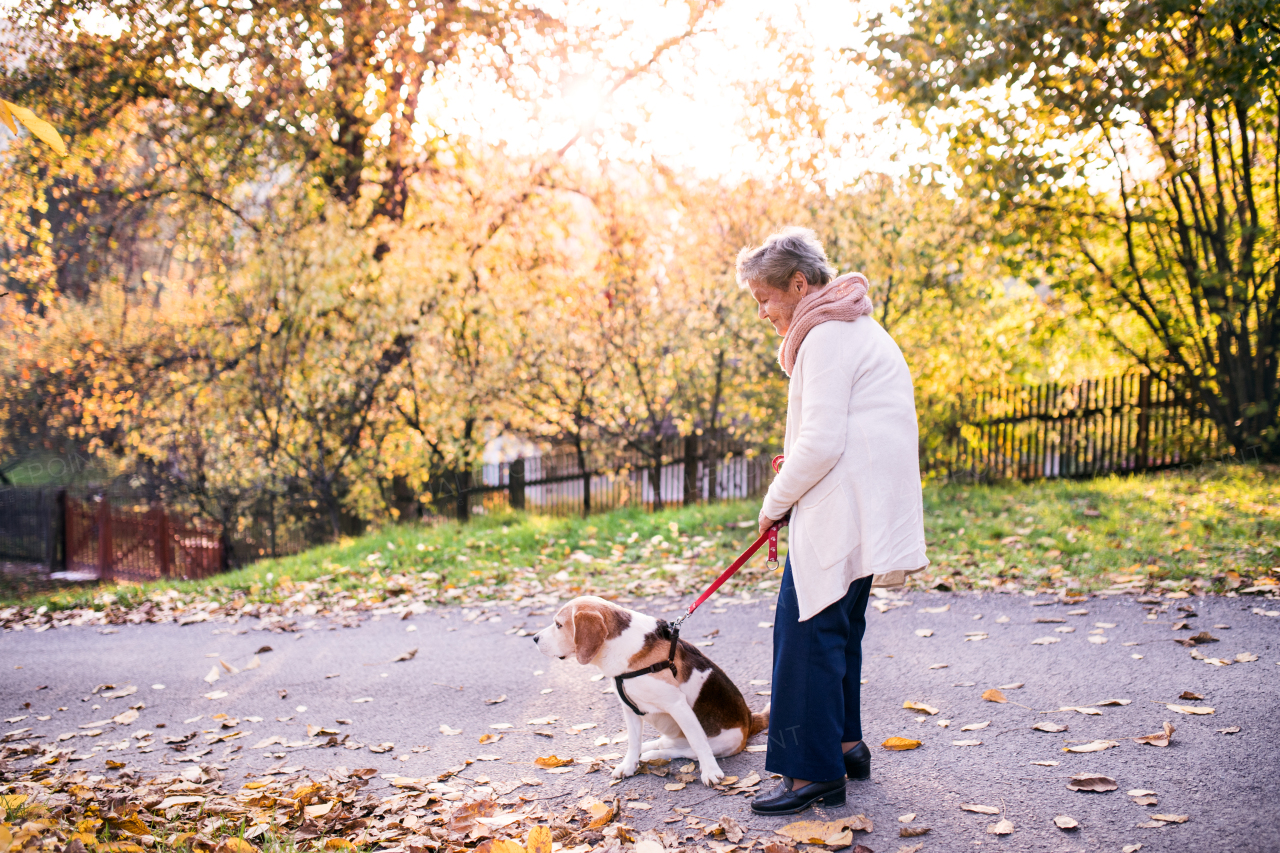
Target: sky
x: 698, y: 108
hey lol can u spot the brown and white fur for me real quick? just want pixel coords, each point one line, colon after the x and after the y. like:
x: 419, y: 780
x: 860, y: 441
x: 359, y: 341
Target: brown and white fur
x: 699, y: 712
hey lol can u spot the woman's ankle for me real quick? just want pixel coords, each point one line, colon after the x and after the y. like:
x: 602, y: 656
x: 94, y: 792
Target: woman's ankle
x: 849, y: 744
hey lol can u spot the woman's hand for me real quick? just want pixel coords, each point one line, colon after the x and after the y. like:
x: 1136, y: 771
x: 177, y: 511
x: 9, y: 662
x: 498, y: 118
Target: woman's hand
x: 764, y: 522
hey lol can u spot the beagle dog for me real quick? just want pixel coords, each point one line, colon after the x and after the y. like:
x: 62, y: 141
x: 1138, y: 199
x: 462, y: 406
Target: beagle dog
x: 697, y: 710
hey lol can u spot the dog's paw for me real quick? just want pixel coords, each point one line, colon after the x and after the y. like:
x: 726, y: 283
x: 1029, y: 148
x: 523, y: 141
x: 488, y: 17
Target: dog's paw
x: 712, y: 775
x: 625, y: 769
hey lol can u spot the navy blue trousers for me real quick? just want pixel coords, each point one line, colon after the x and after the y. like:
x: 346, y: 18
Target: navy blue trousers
x: 817, y: 675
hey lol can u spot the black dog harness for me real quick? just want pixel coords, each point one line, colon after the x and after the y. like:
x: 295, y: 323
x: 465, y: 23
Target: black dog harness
x: 669, y: 663
x: 771, y: 536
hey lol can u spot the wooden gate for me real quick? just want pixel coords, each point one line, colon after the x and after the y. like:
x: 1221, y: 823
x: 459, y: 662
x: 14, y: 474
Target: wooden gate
x: 114, y: 543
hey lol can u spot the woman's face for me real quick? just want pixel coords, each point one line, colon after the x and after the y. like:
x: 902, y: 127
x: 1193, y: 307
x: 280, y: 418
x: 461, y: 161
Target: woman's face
x: 778, y: 305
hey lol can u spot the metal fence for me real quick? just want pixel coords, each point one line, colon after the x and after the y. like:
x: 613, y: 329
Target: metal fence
x: 1119, y: 424
x: 31, y: 526
x: 148, y: 543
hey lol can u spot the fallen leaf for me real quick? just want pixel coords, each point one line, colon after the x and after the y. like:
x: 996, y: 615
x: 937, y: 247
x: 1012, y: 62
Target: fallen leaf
x: 409, y: 655
x: 1017, y: 685
x: 1092, y: 746
x: 920, y: 706
x: 126, y: 718
x: 539, y: 840
x: 169, y: 802
x: 924, y: 632
x: 1098, y: 641
x: 1189, y: 709
x: 973, y: 727
x: 1171, y: 818
x: 1047, y: 763
x: 907, y: 818
x: 1139, y: 792
x: 382, y: 747
x: 490, y: 737
x: 674, y: 786
x: 1064, y: 822
x: 912, y: 831
x: 943, y: 609
x: 1049, y: 727
x: 1045, y: 641
x: 1187, y: 694
x: 733, y: 831
x: 1131, y: 848
x: 254, y: 663
x: 552, y: 761
x: 994, y: 695
x: 1246, y: 657
x: 599, y: 813
x: 500, y: 699
x: 898, y: 744
x: 1002, y: 827
x: 938, y: 666
x: 835, y: 833
x: 1160, y: 738
x: 980, y: 809
x: 1091, y: 782
x: 966, y: 743
x: 1145, y: 801
x: 213, y: 675
x: 446, y: 729
x: 232, y: 844
x: 1229, y: 730
x: 1106, y: 702
x: 336, y: 844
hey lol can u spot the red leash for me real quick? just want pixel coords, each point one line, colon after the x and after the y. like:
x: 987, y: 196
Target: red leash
x: 771, y: 535
x: 619, y: 681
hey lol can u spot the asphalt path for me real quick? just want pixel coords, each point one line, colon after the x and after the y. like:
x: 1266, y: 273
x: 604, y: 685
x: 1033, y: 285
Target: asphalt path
x: 347, y: 680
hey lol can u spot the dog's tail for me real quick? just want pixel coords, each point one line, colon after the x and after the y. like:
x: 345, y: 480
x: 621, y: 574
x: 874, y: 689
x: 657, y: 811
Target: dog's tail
x: 759, y: 721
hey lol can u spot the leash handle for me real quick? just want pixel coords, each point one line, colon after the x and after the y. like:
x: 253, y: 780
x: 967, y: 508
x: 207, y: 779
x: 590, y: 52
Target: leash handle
x: 771, y: 535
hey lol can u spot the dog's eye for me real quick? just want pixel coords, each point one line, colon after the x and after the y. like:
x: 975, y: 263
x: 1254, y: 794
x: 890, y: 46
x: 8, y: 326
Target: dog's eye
x: 558, y: 625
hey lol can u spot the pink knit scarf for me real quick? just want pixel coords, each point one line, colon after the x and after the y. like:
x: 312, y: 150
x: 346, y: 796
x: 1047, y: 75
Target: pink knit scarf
x: 845, y: 298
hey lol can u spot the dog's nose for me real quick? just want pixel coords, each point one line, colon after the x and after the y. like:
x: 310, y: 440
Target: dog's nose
x: 535, y: 638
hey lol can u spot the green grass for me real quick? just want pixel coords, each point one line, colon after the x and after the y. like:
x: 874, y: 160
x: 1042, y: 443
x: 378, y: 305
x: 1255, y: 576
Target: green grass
x: 1216, y: 528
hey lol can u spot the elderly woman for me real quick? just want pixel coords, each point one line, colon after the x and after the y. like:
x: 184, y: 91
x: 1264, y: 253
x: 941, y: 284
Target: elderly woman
x: 851, y: 482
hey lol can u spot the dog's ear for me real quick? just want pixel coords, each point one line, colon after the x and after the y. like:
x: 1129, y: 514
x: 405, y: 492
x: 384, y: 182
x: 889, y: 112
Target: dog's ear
x: 588, y: 633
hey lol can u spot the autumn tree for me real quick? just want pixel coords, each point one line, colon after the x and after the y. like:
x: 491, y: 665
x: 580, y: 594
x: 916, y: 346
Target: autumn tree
x: 1132, y: 148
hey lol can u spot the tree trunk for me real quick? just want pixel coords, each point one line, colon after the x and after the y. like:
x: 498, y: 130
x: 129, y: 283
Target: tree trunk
x: 655, y: 480
x: 692, y: 492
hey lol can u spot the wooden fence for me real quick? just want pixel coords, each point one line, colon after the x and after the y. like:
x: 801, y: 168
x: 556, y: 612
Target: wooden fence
x: 114, y: 543
x: 1119, y: 424
x: 681, y: 471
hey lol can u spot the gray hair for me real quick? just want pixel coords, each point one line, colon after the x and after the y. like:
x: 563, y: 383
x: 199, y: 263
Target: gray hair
x: 782, y: 255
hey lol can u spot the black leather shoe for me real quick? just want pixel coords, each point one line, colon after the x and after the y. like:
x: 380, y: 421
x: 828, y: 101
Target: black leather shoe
x: 857, y: 762
x: 783, y: 800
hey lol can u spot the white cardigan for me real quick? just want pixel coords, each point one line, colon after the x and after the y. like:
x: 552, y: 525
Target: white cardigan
x: 851, y: 477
